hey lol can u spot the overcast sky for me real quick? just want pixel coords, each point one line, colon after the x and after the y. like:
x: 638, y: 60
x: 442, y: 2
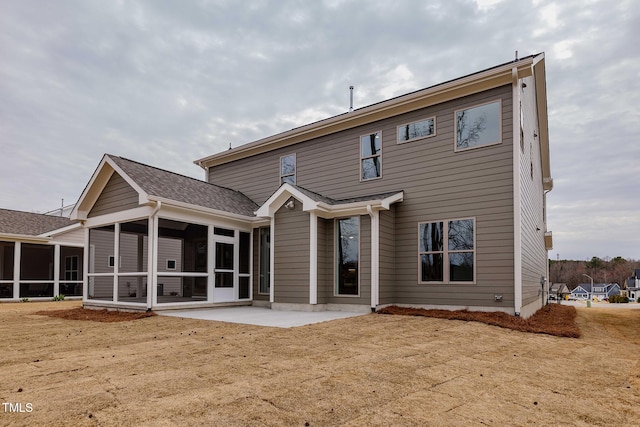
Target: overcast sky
x: 166, y: 83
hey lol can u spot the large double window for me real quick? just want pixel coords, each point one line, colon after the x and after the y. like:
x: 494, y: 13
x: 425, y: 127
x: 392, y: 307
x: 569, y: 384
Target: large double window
x: 371, y: 156
x: 447, y: 251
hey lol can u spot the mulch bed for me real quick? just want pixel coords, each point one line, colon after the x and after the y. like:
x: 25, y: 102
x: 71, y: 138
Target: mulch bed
x: 96, y: 315
x: 552, y: 319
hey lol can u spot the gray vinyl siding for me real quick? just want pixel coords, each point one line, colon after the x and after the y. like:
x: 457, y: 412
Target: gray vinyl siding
x: 291, y: 261
x: 116, y: 196
x: 438, y: 184
x: 325, y: 259
x: 534, y: 253
x: 387, y: 256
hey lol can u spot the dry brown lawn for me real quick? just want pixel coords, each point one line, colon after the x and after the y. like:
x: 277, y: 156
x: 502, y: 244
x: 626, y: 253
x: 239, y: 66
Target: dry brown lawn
x: 374, y: 369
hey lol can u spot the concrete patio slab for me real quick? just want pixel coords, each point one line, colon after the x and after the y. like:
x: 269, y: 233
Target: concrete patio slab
x: 260, y: 316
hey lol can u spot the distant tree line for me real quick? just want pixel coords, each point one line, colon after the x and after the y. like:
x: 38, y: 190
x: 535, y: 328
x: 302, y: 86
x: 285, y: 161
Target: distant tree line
x: 608, y: 270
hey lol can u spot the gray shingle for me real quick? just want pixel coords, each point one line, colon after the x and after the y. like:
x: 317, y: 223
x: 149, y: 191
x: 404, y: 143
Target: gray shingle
x: 30, y: 224
x: 320, y: 198
x: 173, y: 186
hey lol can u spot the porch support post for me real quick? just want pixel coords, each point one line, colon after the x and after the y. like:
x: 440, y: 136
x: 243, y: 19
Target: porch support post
x: 313, y: 258
x: 116, y: 260
x: 151, y: 267
x: 375, y: 256
x: 56, y: 270
x: 272, y: 250
x: 17, y: 252
x: 85, y: 267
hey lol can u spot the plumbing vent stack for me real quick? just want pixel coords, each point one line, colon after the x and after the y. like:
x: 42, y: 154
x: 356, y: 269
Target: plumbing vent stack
x: 350, y: 98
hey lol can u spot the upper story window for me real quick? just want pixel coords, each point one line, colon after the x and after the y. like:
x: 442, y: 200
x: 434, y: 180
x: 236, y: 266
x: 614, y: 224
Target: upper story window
x: 417, y: 130
x: 288, y: 169
x: 371, y: 156
x: 446, y: 251
x: 478, y: 126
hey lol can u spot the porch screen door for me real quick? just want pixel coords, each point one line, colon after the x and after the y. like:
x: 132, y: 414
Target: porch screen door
x: 224, y: 273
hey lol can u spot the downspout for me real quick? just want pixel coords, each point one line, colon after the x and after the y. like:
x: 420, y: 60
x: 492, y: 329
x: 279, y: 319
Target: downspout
x: 375, y: 257
x: 152, y: 275
x: 517, y: 214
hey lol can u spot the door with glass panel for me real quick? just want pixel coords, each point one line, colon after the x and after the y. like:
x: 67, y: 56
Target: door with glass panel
x: 224, y: 289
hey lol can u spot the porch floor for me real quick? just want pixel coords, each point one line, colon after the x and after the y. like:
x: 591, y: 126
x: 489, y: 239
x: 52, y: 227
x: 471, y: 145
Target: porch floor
x: 260, y: 316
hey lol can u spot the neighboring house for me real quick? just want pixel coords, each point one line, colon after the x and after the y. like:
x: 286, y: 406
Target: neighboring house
x: 600, y: 291
x: 41, y: 256
x: 436, y: 198
x: 558, y: 291
x: 633, y: 286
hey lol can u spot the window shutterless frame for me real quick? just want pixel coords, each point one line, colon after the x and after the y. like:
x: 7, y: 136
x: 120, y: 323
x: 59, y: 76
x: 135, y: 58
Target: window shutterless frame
x: 288, y: 169
x: 456, y: 243
x: 478, y: 126
x: 347, y: 257
x: 417, y: 130
x: 370, y: 146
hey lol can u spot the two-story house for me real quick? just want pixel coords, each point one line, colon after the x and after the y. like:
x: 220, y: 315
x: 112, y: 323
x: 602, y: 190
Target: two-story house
x: 435, y: 198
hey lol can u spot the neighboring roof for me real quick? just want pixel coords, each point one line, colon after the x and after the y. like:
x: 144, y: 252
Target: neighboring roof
x: 559, y: 288
x: 172, y: 186
x: 473, y: 83
x: 30, y: 224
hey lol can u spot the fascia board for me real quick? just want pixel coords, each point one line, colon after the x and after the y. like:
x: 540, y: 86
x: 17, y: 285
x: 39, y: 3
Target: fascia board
x: 282, y: 194
x: 92, y: 191
x: 424, y: 98
x: 543, y: 124
x: 23, y: 238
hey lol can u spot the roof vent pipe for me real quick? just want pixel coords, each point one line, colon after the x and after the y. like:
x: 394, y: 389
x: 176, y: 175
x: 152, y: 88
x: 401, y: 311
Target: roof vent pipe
x: 350, y: 98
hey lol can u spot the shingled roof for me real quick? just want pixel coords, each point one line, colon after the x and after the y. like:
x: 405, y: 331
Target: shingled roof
x: 172, y: 186
x: 30, y: 224
x: 320, y: 198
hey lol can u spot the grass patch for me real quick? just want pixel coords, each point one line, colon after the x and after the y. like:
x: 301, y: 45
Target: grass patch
x: 552, y: 319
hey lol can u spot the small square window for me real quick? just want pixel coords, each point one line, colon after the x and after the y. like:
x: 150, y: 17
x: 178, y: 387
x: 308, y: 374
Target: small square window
x: 171, y: 264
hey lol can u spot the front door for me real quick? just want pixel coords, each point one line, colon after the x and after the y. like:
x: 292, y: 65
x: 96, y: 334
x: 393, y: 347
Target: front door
x: 224, y: 286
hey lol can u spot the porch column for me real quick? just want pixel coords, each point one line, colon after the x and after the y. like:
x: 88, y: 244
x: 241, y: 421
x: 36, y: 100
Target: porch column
x: 313, y: 258
x: 56, y: 270
x: 116, y: 260
x: 152, y: 269
x: 17, y: 251
x: 85, y: 266
x: 375, y: 258
x: 272, y: 249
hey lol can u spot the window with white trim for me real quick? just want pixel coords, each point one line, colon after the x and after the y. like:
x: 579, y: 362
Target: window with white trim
x: 371, y: 156
x: 347, y: 256
x: 417, y: 130
x: 478, y: 126
x: 288, y: 169
x: 446, y: 252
